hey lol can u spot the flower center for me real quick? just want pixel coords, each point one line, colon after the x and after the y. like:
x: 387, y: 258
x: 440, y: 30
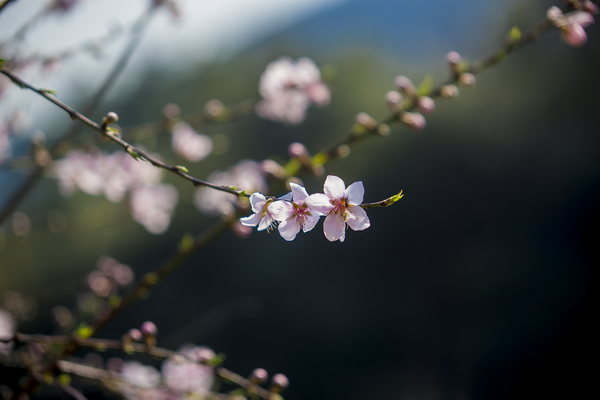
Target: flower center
x: 340, y: 206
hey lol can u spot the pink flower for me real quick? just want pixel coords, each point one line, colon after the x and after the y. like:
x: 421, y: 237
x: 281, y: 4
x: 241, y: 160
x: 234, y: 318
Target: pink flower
x: 295, y: 214
x: 571, y: 25
x: 187, y: 375
x: 342, y: 206
x: 262, y: 216
x: 152, y: 206
x: 288, y: 88
x: 189, y: 144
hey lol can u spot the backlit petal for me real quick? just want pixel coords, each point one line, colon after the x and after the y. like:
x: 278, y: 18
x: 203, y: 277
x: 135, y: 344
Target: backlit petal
x: 334, y: 228
x: 309, y: 222
x: 357, y: 219
x: 281, y: 210
x: 251, y: 220
x: 257, y: 201
x: 355, y: 193
x: 334, y: 187
x: 265, y: 222
x: 319, y: 203
x: 298, y: 192
x: 288, y: 229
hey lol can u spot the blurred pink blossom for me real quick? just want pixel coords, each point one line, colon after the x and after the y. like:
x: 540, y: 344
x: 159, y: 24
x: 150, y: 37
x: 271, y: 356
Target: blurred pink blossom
x: 288, y: 88
x: 152, y: 206
x: 187, y: 376
x: 189, y: 144
x: 246, y: 175
x: 571, y: 25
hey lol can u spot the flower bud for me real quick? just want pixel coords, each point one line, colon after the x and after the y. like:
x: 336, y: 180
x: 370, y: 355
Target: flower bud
x: 171, y: 111
x: 383, y: 129
x: 297, y: 150
x: 394, y: 100
x: 366, y: 120
x: 415, y: 121
x: 467, y: 79
x: 588, y: 6
x: 109, y: 118
x: 575, y: 35
x: 426, y: 105
x: 279, y: 382
x: 205, y: 355
x: 214, y: 108
x: 405, y: 85
x: 258, y: 376
x: 449, y: 91
x: 133, y: 335
x: 273, y: 168
x: 149, y: 332
x: 453, y: 58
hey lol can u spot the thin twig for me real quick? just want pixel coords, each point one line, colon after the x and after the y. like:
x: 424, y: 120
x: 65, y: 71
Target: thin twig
x: 5, y: 3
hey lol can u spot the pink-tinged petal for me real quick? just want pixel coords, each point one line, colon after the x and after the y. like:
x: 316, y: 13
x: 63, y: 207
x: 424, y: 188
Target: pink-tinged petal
x: 251, y: 220
x: 288, y: 229
x: 319, y: 203
x: 281, y: 210
x: 582, y: 18
x: 575, y: 35
x: 286, y: 197
x: 309, y: 222
x: 357, y: 219
x: 298, y: 192
x: 257, y: 201
x: 266, y: 222
x: 334, y: 228
x: 355, y: 193
x: 334, y: 187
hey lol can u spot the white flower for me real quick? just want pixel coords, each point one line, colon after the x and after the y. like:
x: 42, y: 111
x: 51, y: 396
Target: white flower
x: 189, y: 144
x: 140, y: 375
x: 342, y: 206
x: 294, y: 215
x: 188, y: 375
x: 288, y: 88
x: 260, y: 207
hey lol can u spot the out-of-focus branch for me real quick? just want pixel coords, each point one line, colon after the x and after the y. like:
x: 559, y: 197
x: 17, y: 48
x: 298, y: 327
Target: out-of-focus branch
x: 5, y: 3
x: 105, y: 344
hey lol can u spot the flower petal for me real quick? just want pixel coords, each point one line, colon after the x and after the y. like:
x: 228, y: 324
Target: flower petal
x: 288, y: 229
x: 319, y: 203
x: 357, y: 218
x: 287, y: 197
x: 334, y: 228
x: 334, y: 187
x: 281, y: 210
x: 251, y: 220
x: 355, y: 193
x: 257, y: 201
x: 309, y: 222
x: 298, y: 192
x: 266, y: 222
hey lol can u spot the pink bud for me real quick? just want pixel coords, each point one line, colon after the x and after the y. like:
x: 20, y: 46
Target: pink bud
x: 405, y: 85
x: 453, y: 58
x: 297, y: 149
x: 415, y: 121
x: 149, y: 329
x: 575, y: 35
x: 467, y: 79
x: 426, y: 105
x: 259, y: 375
x: 171, y: 111
x: 279, y: 382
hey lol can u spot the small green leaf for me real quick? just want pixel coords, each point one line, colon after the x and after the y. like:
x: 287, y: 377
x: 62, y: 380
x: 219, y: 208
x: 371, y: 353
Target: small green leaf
x: 136, y: 156
x: 84, y: 331
x: 181, y: 168
x: 64, y: 379
x: 425, y: 86
x: 395, y: 198
x: 49, y: 91
x: 515, y: 34
x: 186, y: 243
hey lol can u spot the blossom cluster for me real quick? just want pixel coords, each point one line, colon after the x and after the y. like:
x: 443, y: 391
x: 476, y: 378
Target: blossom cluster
x: 114, y: 175
x: 288, y: 88
x: 572, y: 24
x: 180, y: 378
x: 298, y: 210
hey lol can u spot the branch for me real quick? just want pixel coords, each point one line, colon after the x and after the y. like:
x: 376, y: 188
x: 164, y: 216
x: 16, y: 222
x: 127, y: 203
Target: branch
x: 384, y: 203
x: 101, y: 374
x: 5, y: 3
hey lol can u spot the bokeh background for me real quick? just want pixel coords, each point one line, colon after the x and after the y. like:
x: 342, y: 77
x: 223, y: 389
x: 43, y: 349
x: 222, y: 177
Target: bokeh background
x: 479, y: 283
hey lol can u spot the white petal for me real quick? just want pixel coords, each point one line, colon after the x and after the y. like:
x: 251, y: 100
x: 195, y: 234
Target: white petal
x: 289, y: 229
x: 357, y: 219
x: 257, y: 201
x: 582, y: 18
x: 334, y: 228
x: 265, y: 222
x: 299, y: 193
x: 334, y: 187
x: 251, y: 220
x: 309, y: 222
x: 287, y: 197
x: 355, y: 193
x: 281, y: 210
x: 319, y: 203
